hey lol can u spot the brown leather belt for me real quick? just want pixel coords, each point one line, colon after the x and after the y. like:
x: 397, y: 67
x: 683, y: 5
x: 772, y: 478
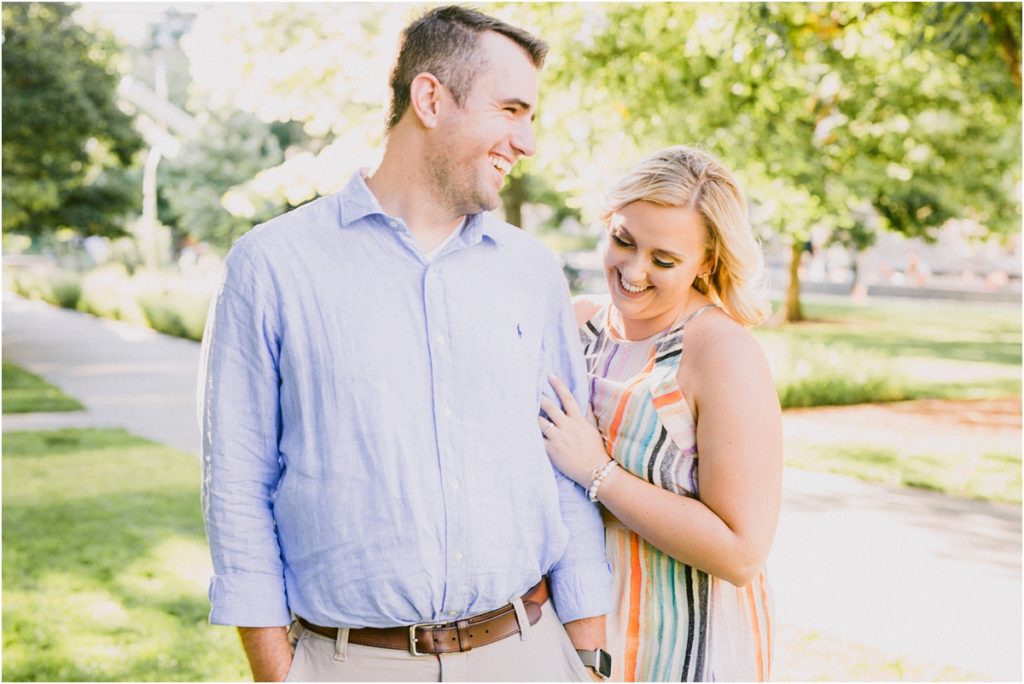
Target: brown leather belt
x: 449, y: 637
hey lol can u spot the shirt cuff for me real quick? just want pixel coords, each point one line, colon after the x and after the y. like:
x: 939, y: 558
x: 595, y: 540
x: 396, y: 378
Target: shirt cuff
x: 581, y: 591
x: 248, y: 599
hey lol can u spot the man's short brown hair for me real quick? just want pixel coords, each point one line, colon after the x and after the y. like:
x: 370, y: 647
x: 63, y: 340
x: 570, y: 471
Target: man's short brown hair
x: 445, y: 42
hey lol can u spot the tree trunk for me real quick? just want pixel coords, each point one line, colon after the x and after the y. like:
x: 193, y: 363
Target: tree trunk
x: 794, y: 312
x: 1008, y: 45
x: 148, y: 225
x: 512, y: 199
x: 858, y: 290
x: 854, y: 267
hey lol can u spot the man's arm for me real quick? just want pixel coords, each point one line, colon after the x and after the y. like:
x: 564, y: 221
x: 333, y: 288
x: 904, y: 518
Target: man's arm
x: 240, y: 424
x: 587, y: 634
x: 581, y: 580
x: 270, y: 656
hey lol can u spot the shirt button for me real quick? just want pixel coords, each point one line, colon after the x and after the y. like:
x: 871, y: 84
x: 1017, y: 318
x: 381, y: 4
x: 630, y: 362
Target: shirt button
x: 447, y: 412
x: 452, y: 613
x: 439, y: 338
x: 455, y: 484
x: 393, y: 223
x: 458, y: 556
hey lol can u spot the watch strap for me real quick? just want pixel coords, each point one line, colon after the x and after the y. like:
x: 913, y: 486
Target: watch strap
x: 599, y: 660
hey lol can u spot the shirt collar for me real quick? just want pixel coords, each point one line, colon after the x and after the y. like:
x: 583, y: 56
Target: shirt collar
x: 357, y: 202
x: 480, y: 226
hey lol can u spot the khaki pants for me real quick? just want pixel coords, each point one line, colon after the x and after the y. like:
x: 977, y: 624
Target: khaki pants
x: 542, y: 652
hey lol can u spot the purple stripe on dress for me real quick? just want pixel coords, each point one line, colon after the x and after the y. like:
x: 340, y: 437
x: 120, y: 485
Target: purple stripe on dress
x: 607, y: 365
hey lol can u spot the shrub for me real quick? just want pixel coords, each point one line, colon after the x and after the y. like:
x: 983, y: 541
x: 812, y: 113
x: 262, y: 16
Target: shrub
x: 27, y: 284
x: 815, y: 374
x: 60, y: 288
x: 167, y: 301
x: 65, y: 290
x: 174, y: 304
x: 109, y: 291
x: 178, y: 318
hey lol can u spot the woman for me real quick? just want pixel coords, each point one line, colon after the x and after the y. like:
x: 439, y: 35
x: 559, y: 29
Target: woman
x: 673, y: 368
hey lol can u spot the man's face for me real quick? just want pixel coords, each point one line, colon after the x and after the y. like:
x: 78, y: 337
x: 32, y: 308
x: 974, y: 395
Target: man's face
x: 476, y: 145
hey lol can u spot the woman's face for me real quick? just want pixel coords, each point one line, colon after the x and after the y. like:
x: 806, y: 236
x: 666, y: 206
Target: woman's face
x: 653, y: 255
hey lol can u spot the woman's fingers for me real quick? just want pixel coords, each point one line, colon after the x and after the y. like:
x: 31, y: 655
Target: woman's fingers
x: 564, y: 395
x: 545, y: 425
x: 557, y: 414
x: 554, y: 411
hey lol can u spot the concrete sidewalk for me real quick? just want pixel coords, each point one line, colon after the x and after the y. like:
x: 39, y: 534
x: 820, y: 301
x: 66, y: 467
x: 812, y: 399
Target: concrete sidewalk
x: 908, y: 573
x: 126, y: 376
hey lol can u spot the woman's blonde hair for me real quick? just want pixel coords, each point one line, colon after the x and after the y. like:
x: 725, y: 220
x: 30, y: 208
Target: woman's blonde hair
x: 681, y: 176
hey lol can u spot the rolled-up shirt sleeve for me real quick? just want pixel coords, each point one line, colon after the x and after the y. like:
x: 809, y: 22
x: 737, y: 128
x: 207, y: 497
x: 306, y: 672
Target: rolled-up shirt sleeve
x: 240, y: 423
x: 581, y: 579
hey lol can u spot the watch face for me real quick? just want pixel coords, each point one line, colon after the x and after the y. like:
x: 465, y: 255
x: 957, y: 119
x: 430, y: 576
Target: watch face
x: 598, y: 660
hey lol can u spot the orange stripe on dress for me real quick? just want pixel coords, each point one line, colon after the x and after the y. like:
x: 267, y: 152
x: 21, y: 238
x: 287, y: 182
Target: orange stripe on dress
x: 666, y: 399
x: 633, y: 622
x: 757, y: 631
x: 620, y: 410
x: 767, y: 617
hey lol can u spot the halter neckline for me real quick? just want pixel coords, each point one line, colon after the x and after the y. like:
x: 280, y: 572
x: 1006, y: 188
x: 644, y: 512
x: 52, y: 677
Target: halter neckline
x: 605, y: 318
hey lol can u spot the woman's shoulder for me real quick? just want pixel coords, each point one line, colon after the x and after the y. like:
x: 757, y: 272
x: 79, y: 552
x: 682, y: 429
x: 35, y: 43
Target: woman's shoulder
x: 586, y: 306
x: 716, y: 342
x: 724, y: 367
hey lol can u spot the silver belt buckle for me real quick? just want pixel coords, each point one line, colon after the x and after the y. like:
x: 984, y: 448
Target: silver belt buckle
x: 413, y: 639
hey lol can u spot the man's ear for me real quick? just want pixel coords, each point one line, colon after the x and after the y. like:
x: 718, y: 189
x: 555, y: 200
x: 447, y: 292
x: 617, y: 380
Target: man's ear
x: 425, y: 96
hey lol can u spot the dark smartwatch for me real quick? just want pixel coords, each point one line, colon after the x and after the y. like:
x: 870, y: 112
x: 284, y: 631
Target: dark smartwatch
x: 600, y: 661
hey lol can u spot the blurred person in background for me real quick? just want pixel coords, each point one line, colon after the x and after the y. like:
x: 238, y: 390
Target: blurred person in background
x: 372, y: 472
x: 674, y: 371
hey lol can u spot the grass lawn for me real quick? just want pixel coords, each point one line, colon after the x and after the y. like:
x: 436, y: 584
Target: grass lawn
x: 105, y: 563
x: 896, y: 349
x: 992, y: 476
x: 969, y: 449
x: 24, y: 392
x: 808, y: 656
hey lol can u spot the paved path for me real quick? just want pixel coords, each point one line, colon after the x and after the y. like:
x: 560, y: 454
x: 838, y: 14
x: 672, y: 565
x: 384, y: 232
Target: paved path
x: 910, y: 574
x: 125, y: 375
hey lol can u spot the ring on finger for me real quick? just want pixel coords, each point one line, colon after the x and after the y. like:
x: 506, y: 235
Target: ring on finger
x: 547, y: 427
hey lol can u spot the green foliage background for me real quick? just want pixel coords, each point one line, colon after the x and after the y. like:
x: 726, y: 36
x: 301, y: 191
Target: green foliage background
x: 849, y: 118
x: 66, y: 145
x: 230, y: 150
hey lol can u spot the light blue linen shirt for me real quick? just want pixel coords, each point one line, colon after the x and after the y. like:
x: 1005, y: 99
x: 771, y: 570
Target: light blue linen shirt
x: 371, y: 454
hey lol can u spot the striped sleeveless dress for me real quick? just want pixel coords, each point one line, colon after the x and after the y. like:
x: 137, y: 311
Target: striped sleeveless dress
x: 671, y: 622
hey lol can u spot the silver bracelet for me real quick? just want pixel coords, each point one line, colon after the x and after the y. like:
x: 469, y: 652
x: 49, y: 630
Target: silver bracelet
x: 599, y: 475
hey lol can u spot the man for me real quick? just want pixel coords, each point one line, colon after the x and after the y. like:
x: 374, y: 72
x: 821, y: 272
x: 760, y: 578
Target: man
x: 372, y: 374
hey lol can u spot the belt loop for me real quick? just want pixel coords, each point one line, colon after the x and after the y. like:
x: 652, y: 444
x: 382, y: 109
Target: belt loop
x: 341, y: 645
x: 462, y: 629
x: 522, y: 617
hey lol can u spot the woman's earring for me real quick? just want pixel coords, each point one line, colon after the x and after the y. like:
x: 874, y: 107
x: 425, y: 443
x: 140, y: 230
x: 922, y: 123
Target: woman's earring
x: 705, y: 277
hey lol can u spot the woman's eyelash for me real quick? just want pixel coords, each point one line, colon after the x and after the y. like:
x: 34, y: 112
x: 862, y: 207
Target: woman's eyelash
x: 623, y: 242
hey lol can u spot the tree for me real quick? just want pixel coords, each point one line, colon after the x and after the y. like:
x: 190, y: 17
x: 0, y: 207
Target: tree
x: 324, y: 67
x: 823, y: 109
x: 852, y: 117
x: 66, y: 145
x: 226, y: 153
